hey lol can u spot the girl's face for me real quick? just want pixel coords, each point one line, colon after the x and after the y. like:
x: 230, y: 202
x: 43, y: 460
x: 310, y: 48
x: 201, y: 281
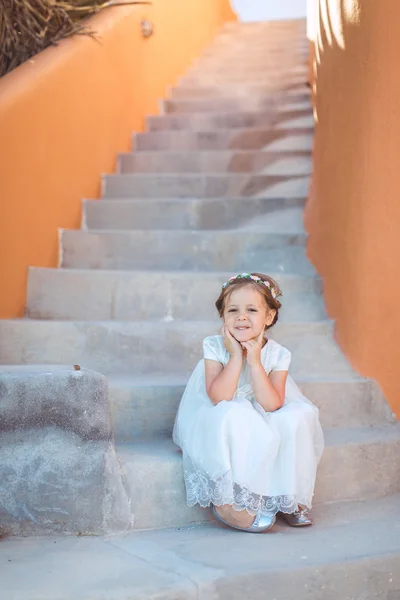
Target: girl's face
x: 246, y: 313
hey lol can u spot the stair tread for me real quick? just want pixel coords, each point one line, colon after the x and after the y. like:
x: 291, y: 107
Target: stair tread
x: 234, y: 131
x: 306, y: 106
x: 248, y: 151
x: 320, y: 326
x: 164, y: 449
x: 350, y: 543
x: 187, y: 200
x: 173, y: 380
x: 223, y: 275
x: 194, y: 232
x: 202, y: 176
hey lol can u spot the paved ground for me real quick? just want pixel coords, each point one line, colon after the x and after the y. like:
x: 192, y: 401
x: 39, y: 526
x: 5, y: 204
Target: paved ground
x: 352, y: 552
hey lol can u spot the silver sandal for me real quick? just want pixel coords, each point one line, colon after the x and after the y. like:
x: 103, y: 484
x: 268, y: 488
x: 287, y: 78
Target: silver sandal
x: 299, y: 518
x: 261, y: 522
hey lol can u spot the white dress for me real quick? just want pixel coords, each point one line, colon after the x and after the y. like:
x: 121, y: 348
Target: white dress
x: 236, y: 453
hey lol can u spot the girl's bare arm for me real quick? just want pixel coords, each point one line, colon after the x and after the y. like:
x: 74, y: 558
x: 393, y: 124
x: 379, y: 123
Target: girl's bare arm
x: 269, y: 390
x: 222, y: 382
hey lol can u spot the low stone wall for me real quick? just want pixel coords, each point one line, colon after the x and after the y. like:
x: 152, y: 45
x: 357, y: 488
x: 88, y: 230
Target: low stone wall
x: 58, y: 467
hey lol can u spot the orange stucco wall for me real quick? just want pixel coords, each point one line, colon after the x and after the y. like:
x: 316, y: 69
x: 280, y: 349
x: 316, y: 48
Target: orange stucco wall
x: 353, y: 213
x: 65, y: 114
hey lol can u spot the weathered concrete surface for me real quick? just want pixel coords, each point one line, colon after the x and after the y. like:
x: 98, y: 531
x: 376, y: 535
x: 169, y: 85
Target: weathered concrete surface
x: 352, y: 552
x: 141, y: 348
x: 36, y: 396
x: 202, y: 214
x: 351, y: 469
x: 145, y: 407
x: 97, y: 295
x: 58, y: 467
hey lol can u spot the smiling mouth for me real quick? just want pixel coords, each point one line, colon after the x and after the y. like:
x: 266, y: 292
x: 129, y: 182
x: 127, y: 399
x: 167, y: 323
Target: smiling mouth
x: 242, y: 328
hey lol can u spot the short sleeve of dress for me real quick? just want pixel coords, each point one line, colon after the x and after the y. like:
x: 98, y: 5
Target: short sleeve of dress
x: 283, y: 359
x: 213, y: 349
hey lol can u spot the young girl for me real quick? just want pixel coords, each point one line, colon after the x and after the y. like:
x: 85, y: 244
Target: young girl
x: 251, y: 441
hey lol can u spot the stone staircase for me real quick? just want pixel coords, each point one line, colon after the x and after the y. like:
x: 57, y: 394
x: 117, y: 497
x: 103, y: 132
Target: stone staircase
x: 215, y: 186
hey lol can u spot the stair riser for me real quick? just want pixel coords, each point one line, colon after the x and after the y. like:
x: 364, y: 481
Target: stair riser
x: 270, y: 72
x: 123, y: 303
x: 204, y: 186
x: 260, y: 56
x: 232, y: 71
x: 148, y: 412
x: 230, y: 139
x: 265, y: 163
x: 236, y: 65
x: 221, y: 79
x: 149, y: 349
x: 219, y: 105
x: 98, y: 295
x: 237, y: 90
x: 175, y: 214
x: 198, y: 251
x: 271, y: 40
x: 347, y: 472
x: 241, y: 120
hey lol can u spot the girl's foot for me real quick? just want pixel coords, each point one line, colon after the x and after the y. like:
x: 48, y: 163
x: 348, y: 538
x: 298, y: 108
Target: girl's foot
x: 300, y: 518
x: 234, y: 517
x: 242, y: 520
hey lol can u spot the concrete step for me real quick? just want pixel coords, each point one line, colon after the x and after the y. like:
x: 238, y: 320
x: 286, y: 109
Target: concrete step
x: 264, y: 29
x: 274, y: 118
x: 225, y: 52
x: 230, y: 77
x: 59, y: 294
x: 348, y: 471
x: 270, y: 69
x: 185, y: 250
x: 145, y: 407
x: 233, y: 69
x: 251, y: 103
x: 287, y: 33
x: 197, y: 214
x: 144, y: 348
x: 284, y: 37
x: 238, y: 90
x: 220, y: 185
x: 352, y: 551
x: 220, y: 161
x: 267, y: 62
x: 220, y: 77
x: 85, y: 295
x: 287, y: 220
x: 227, y: 139
x: 282, y: 41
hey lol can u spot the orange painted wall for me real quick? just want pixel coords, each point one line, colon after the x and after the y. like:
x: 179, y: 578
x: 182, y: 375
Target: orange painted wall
x: 65, y: 114
x: 353, y: 213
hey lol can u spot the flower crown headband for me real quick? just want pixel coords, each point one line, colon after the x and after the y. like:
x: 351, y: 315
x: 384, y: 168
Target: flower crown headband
x: 274, y: 292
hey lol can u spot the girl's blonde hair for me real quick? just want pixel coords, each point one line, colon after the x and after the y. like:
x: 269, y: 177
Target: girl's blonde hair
x: 264, y: 284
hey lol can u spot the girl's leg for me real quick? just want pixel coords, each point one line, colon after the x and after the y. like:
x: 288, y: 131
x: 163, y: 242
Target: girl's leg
x: 295, y: 469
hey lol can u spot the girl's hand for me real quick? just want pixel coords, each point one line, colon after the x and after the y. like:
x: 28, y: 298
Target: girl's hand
x: 231, y: 344
x: 253, y: 350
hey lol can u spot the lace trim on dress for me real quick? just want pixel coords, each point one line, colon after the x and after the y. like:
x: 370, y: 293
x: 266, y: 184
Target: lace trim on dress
x: 203, y: 490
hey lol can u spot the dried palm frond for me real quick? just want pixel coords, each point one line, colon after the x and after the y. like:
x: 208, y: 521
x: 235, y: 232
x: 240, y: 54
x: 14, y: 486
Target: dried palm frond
x: 29, y: 26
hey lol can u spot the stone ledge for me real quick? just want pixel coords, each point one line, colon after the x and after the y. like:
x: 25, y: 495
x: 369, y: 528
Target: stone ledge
x: 41, y: 395
x: 59, y: 472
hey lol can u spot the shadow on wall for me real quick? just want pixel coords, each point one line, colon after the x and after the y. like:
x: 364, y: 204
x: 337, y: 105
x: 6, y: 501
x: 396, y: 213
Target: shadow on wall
x: 353, y: 213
